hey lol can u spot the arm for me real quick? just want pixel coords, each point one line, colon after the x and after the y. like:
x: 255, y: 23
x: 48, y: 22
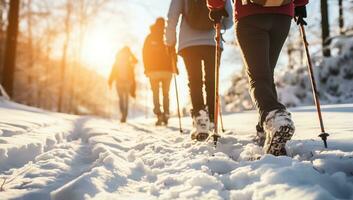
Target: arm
x: 112, y: 75
x: 133, y: 59
x: 175, y: 10
x: 146, y: 56
x: 133, y: 82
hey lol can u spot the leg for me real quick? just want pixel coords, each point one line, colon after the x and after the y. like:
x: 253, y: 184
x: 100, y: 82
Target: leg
x: 155, y: 91
x: 165, y: 88
x: 193, y: 65
x: 127, y: 93
x: 121, y: 100
x: 209, y: 62
x: 278, y: 36
x: 253, y: 34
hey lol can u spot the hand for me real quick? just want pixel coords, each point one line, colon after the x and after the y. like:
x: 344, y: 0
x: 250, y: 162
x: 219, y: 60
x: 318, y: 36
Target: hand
x: 110, y: 84
x: 174, y: 58
x: 300, y: 14
x: 217, y: 15
x: 133, y: 94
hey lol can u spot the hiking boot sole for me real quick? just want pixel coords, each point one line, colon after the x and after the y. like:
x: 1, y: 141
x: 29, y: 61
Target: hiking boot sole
x: 201, y: 137
x: 279, y: 140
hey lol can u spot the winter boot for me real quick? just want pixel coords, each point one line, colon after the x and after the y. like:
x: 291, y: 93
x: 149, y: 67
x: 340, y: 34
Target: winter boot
x: 159, y: 121
x: 201, y: 123
x: 165, y: 118
x: 260, y: 136
x: 279, y: 128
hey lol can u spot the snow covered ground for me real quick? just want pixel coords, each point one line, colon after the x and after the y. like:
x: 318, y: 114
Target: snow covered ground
x: 47, y: 155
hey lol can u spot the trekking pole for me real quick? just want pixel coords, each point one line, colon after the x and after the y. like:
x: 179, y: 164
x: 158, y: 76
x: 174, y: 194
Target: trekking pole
x: 177, y: 92
x: 216, y: 136
x: 217, y: 12
x: 323, y: 134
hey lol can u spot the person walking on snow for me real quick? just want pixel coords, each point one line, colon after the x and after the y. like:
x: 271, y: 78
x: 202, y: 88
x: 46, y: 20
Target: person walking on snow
x: 158, y: 69
x: 123, y: 75
x: 261, y: 30
x: 196, y: 45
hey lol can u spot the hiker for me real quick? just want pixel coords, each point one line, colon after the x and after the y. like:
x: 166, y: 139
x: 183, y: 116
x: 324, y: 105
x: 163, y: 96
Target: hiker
x: 159, y: 69
x: 123, y: 75
x: 261, y: 32
x: 196, y: 45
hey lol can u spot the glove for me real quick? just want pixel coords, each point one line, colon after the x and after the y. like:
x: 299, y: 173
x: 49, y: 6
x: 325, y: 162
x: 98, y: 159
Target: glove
x: 174, y: 58
x: 217, y: 15
x: 300, y: 14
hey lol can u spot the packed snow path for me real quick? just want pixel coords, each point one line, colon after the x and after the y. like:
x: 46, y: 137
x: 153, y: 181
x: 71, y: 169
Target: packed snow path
x: 47, y: 155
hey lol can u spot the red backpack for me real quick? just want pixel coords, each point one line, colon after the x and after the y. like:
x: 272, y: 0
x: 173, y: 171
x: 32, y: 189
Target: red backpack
x: 267, y: 3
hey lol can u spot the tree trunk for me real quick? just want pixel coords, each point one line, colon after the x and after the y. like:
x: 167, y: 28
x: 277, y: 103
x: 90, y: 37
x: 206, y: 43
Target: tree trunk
x: 30, y: 97
x: 11, y: 44
x: 325, y: 28
x: 64, y: 55
x: 2, y: 8
x: 341, y: 18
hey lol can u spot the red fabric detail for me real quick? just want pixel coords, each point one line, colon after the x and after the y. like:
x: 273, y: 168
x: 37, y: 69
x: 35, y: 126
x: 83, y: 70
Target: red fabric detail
x: 216, y: 4
x: 241, y: 10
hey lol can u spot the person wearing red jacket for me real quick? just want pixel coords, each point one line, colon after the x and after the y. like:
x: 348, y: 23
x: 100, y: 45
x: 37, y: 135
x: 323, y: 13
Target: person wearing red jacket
x: 261, y: 31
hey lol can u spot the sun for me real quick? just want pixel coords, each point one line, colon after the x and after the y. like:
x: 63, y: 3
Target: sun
x: 98, y: 50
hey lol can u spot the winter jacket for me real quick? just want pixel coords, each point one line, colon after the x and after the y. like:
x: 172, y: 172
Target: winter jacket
x: 155, y: 55
x: 188, y: 36
x: 241, y: 10
x: 123, y: 72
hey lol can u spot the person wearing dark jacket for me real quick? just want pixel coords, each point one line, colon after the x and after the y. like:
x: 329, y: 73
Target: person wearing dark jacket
x: 124, y: 77
x: 158, y: 68
x: 261, y: 31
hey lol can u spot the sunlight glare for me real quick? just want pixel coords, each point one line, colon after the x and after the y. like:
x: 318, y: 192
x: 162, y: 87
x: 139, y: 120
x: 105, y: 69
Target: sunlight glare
x: 99, y: 50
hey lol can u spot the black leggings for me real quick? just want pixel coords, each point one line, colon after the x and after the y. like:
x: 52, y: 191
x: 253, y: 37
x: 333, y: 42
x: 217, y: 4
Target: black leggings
x: 261, y: 38
x: 200, y: 62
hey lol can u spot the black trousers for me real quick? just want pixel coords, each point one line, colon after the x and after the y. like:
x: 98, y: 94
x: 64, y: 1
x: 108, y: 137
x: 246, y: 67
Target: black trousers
x: 200, y: 65
x: 157, y: 84
x: 261, y: 38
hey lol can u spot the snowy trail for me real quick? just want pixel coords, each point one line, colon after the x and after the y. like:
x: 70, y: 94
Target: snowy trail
x: 61, y: 157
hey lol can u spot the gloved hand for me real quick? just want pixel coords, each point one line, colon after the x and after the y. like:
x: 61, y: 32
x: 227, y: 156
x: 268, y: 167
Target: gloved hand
x: 173, y: 55
x: 300, y: 14
x: 216, y: 15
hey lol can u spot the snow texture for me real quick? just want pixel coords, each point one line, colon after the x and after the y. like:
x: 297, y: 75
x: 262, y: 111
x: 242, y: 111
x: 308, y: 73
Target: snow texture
x: 47, y: 155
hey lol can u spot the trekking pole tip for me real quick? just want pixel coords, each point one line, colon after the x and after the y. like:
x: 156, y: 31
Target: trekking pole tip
x: 324, y: 136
